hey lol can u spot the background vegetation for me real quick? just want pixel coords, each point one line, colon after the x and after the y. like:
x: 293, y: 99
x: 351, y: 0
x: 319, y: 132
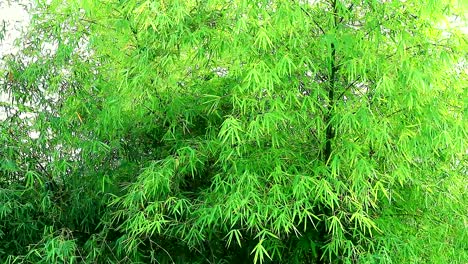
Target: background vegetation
x: 266, y: 131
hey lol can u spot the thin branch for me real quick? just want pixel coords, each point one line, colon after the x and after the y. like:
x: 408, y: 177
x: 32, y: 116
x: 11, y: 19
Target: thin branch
x: 313, y: 20
x: 349, y: 8
x: 421, y: 46
x: 396, y: 112
x: 349, y: 86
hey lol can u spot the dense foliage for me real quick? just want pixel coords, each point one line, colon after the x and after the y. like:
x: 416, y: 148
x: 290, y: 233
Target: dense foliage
x: 235, y: 131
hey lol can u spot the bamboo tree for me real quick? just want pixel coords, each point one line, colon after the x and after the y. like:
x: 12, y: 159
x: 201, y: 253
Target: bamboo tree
x: 238, y: 131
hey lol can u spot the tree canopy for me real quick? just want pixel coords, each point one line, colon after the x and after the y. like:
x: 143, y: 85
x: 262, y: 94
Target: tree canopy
x: 235, y: 131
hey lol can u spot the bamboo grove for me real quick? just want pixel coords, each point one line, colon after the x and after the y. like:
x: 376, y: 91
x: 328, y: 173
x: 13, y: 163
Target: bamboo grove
x: 235, y: 131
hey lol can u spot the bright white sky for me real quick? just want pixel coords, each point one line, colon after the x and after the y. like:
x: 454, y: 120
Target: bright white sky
x: 16, y: 17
